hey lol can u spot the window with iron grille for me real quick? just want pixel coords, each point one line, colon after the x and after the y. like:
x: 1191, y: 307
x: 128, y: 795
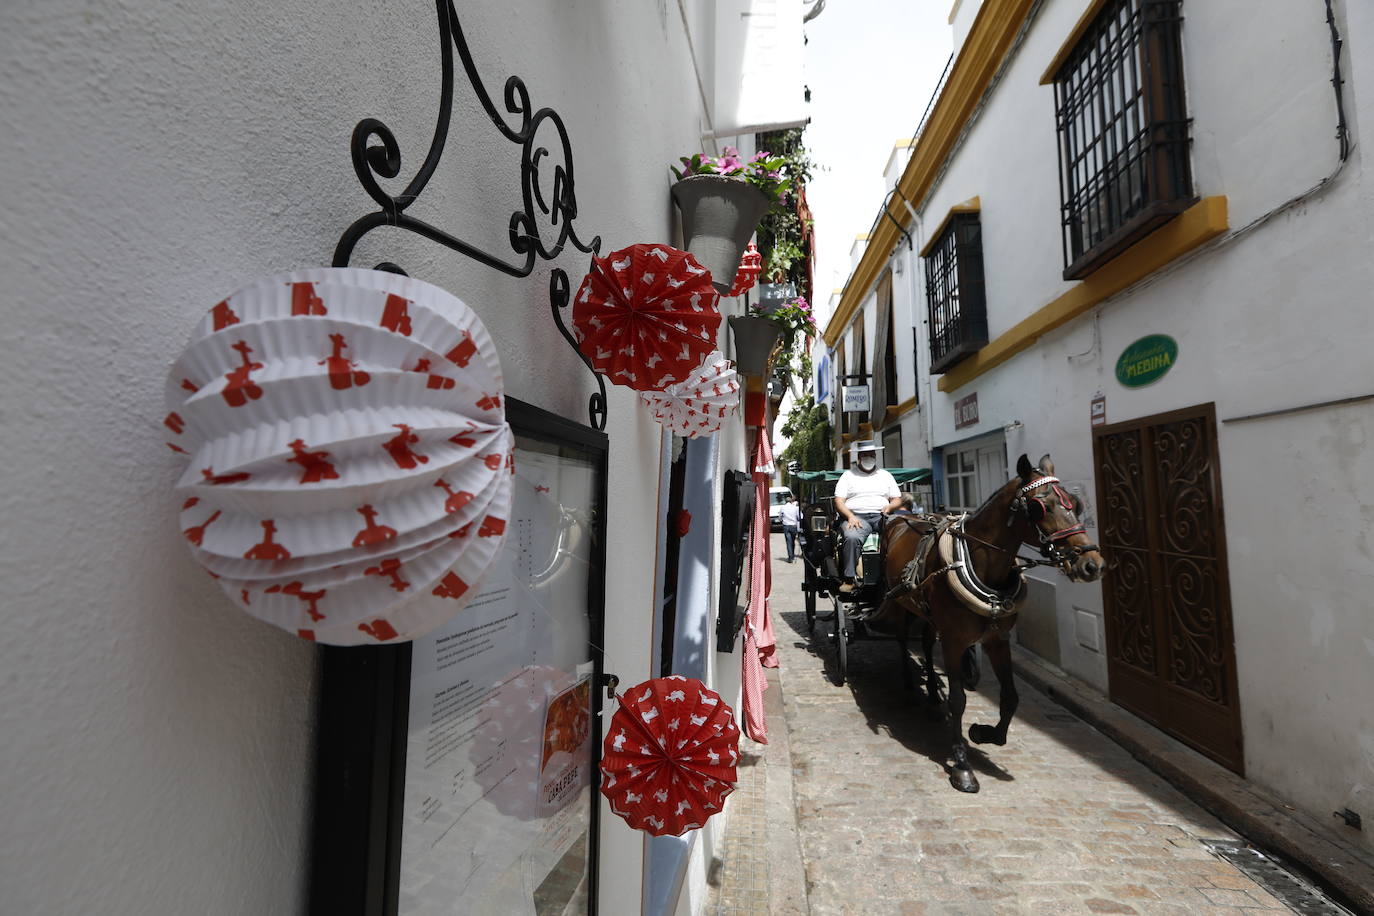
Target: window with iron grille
x: 1123, y: 131
x: 954, y: 292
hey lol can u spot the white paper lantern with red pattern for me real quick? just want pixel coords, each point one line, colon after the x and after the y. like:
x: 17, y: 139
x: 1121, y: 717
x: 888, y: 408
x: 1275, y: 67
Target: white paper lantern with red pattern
x: 350, y: 463
x: 699, y: 404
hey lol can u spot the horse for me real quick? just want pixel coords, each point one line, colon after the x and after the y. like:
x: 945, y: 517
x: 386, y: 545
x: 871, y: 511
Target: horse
x: 963, y: 577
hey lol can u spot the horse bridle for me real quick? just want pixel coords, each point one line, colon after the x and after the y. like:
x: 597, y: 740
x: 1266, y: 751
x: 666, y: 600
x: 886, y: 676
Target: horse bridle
x: 1054, y: 546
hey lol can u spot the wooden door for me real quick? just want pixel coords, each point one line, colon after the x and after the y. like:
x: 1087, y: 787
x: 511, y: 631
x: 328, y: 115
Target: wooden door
x: 1171, y: 655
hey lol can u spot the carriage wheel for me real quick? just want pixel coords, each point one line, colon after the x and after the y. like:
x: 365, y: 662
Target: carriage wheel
x: 841, y: 643
x: 970, y: 668
x: 809, y: 589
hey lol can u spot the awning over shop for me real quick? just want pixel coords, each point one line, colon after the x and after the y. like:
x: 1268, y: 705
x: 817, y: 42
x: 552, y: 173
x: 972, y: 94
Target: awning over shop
x: 902, y: 475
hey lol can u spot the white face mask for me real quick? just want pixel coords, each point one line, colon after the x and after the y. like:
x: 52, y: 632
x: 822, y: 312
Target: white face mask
x: 867, y: 462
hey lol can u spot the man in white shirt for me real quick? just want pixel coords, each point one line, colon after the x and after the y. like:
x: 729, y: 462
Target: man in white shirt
x: 864, y: 494
x: 791, y: 522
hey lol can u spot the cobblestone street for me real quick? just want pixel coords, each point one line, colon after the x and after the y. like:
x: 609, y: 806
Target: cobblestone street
x: 1066, y: 822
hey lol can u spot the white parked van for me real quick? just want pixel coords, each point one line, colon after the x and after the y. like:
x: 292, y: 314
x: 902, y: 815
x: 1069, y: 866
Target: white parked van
x: 777, y: 498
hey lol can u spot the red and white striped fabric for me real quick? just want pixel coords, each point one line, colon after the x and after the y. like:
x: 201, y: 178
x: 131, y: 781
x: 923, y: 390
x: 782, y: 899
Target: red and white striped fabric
x: 669, y: 756
x: 760, y: 643
x: 349, y: 462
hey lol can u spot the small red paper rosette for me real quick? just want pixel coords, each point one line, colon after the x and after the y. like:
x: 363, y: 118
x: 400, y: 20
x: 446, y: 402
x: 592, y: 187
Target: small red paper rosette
x: 646, y: 316
x: 670, y: 755
x: 750, y: 266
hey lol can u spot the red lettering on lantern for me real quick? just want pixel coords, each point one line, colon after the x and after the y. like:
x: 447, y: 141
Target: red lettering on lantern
x: 372, y: 532
x: 190, y: 385
x: 223, y: 316
x: 390, y: 568
x: 462, y: 532
x: 399, y: 448
x: 175, y: 423
x: 379, y: 630
x: 197, y: 533
x: 462, y: 354
x: 267, y: 549
x: 491, y: 527
x: 455, y: 501
x: 314, y: 467
x: 341, y: 373
x: 304, y: 301
x: 451, y: 586
x: 189, y: 503
x: 489, y: 402
x: 176, y: 448
x: 396, y: 315
x: 437, y: 382
x: 492, y: 461
x: 297, y: 590
x: 212, y: 478
x: 240, y: 387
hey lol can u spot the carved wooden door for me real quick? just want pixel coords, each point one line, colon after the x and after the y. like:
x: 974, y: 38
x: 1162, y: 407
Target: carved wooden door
x: 1171, y: 656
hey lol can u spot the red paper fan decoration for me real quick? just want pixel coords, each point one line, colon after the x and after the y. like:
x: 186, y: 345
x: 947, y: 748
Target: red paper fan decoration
x: 670, y: 754
x: 646, y: 316
x: 750, y: 266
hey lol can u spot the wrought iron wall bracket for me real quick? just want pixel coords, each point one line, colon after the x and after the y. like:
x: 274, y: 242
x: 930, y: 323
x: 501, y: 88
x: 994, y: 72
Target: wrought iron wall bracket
x: 547, y: 191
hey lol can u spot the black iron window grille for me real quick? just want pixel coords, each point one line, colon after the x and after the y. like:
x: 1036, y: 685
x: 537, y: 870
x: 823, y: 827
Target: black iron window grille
x: 958, y: 316
x: 1123, y: 132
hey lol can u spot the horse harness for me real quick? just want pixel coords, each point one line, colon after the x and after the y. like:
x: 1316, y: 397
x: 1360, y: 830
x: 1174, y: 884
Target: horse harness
x: 1054, y: 547
x: 950, y: 542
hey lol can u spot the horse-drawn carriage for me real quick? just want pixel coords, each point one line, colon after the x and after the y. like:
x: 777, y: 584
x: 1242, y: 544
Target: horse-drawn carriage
x: 956, y: 577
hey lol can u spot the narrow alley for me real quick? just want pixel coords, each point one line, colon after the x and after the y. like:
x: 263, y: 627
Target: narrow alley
x: 1067, y: 821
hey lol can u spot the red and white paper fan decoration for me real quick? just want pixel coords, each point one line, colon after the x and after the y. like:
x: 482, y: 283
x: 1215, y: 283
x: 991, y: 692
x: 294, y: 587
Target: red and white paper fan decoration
x: 350, y: 463
x: 699, y: 404
x: 750, y: 266
x: 670, y: 754
x: 646, y: 315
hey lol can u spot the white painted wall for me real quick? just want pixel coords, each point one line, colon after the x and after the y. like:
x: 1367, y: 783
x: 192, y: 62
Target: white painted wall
x: 1279, y: 317
x: 158, y: 743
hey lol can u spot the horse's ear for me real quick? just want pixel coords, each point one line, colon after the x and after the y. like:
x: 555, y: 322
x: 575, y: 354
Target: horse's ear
x: 1047, y: 466
x: 1024, y: 469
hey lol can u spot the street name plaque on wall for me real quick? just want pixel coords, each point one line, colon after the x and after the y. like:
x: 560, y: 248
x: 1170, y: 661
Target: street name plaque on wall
x: 1146, y: 360
x: 966, y: 411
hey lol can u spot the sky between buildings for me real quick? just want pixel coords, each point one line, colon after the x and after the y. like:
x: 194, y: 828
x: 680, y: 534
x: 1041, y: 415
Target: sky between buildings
x: 871, y: 66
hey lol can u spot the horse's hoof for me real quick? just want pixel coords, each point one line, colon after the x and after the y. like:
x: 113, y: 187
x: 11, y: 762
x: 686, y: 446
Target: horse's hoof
x: 984, y: 734
x: 963, y: 780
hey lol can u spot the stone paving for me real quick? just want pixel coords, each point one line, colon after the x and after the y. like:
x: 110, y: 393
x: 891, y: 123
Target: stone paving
x: 1066, y: 822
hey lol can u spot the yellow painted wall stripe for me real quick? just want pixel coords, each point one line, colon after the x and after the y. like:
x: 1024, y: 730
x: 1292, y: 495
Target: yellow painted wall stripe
x: 972, y: 205
x: 994, y: 31
x: 1071, y: 42
x: 1201, y: 222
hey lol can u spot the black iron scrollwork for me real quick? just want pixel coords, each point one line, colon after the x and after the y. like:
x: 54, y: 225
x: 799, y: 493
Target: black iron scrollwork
x: 538, y: 231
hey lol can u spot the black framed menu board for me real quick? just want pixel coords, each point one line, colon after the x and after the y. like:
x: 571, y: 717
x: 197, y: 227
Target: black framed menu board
x: 455, y: 774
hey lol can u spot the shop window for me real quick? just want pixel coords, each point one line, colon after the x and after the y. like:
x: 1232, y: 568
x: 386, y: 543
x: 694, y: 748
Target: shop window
x: 1123, y: 131
x: 961, y: 482
x: 954, y: 292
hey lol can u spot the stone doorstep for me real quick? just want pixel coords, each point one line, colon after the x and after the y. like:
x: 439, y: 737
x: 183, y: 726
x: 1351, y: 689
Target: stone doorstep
x: 1235, y: 801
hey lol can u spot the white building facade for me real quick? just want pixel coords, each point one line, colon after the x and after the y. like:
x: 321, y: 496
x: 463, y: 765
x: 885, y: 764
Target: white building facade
x: 160, y: 744
x: 1206, y: 335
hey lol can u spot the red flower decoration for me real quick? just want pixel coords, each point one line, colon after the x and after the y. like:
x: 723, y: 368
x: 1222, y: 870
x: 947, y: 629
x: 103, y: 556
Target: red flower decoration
x: 670, y: 754
x: 646, y: 316
x: 750, y: 266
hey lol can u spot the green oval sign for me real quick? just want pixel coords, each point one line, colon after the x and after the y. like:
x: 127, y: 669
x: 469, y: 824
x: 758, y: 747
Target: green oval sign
x: 1146, y: 360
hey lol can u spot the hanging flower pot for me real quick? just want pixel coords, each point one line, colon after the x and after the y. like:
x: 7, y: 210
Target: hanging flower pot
x: 755, y: 339
x: 718, y: 217
x: 722, y: 201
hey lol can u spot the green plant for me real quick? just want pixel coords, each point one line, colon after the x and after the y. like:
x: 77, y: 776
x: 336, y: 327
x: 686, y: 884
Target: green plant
x: 768, y: 173
x: 808, y: 427
x: 784, y: 234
